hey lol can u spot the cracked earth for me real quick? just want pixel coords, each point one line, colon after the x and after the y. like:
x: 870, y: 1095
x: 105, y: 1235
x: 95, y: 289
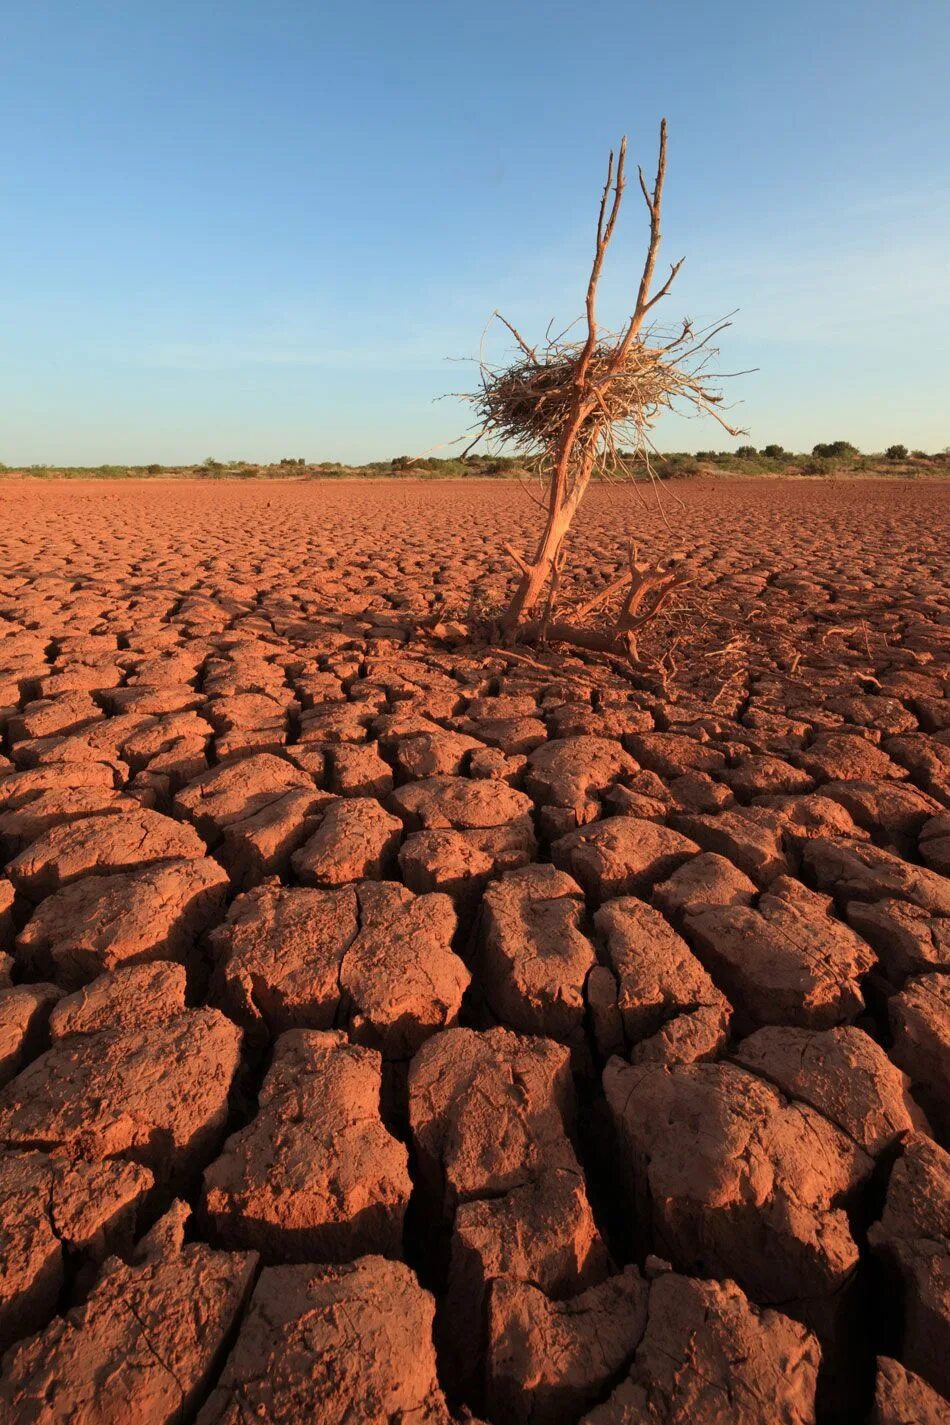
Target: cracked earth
x: 399, y: 1030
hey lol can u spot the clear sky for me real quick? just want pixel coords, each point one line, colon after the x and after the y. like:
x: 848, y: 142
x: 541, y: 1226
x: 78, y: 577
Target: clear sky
x: 254, y: 230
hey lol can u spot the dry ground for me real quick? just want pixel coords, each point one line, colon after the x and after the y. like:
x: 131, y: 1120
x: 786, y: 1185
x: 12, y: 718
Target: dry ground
x: 396, y: 1029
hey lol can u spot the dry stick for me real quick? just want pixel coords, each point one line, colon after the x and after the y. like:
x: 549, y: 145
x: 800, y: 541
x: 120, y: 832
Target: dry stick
x: 530, y: 493
x: 510, y: 656
x: 516, y: 557
x: 528, y: 350
x: 582, y: 610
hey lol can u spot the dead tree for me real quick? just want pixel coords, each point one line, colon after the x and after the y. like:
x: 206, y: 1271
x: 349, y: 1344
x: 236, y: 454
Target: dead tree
x: 571, y: 405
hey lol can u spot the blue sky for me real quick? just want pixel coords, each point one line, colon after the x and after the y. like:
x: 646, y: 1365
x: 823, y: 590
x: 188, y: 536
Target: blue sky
x: 255, y: 230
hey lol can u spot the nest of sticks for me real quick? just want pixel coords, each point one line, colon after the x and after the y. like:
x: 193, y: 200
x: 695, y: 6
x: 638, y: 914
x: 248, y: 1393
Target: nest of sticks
x: 531, y: 404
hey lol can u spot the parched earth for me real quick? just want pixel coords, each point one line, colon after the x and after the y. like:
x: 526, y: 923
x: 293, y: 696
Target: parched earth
x: 399, y: 1029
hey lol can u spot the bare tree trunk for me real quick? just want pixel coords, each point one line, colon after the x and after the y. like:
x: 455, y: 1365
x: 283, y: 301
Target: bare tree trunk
x: 535, y: 576
x: 564, y: 499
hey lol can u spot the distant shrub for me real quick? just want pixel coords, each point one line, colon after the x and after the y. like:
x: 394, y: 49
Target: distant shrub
x: 746, y: 452
x: 774, y: 452
x: 896, y: 452
x: 153, y: 469
x: 917, y: 454
x: 401, y: 462
x: 834, y: 450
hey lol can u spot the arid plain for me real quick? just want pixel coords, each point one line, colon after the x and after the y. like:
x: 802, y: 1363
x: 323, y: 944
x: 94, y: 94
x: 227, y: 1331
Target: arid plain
x: 396, y: 1028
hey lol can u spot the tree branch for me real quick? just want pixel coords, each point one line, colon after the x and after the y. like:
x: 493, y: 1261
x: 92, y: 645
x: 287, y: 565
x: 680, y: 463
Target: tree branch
x: 604, y: 234
x: 654, y: 202
x: 516, y: 557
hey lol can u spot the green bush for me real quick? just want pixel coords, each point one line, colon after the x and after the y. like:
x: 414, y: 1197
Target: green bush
x: 835, y: 450
x: 746, y: 452
x: 774, y: 452
x: 896, y: 452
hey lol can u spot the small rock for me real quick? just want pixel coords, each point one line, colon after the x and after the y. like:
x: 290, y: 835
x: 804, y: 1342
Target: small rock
x: 358, y: 771
x: 905, y: 938
x: 839, y: 757
x: 433, y: 754
x: 399, y: 978
x: 458, y: 804
x: 671, y: 755
x: 156, y: 1092
x: 702, y: 883
x: 277, y: 957
x: 131, y: 998
x: 852, y: 871
x: 24, y: 1019
x: 574, y: 773
x: 460, y: 863
x: 751, y: 839
x: 53, y: 1214
x: 935, y: 844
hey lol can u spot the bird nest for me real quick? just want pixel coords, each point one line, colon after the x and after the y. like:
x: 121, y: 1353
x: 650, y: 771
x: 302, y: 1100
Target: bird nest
x: 532, y: 404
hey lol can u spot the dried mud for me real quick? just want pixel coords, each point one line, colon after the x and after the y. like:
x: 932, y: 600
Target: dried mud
x: 396, y: 1029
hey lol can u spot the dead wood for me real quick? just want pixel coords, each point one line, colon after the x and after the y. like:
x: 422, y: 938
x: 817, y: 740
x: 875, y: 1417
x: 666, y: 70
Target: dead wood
x: 571, y: 407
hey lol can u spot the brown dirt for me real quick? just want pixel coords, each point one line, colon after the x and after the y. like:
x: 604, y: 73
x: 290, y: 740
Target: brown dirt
x: 396, y: 1027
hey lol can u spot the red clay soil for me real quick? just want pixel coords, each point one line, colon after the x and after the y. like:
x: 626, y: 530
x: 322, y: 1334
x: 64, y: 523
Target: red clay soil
x: 396, y: 1028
